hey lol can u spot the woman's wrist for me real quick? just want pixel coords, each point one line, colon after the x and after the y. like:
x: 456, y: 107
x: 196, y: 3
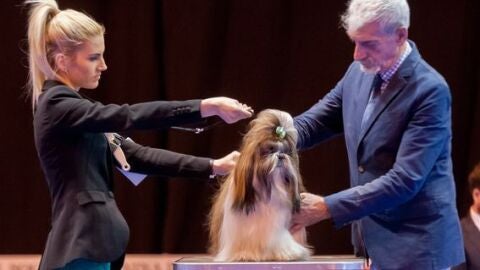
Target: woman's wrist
x: 207, y: 108
x: 212, y: 169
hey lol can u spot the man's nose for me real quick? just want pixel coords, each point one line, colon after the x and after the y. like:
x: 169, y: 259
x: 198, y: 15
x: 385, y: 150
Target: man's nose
x: 358, y: 53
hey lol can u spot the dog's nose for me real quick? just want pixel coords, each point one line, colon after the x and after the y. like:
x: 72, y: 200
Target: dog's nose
x: 281, y: 156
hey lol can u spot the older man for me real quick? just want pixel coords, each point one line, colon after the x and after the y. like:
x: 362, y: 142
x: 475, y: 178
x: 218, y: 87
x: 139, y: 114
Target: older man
x: 395, y: 113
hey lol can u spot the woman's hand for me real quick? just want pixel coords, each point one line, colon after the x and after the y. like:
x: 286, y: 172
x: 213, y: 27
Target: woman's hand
x: 230, y: 110
x: 224, y: 165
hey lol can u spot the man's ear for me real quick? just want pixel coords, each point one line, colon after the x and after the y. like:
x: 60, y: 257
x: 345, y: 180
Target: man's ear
x: 401, y: 34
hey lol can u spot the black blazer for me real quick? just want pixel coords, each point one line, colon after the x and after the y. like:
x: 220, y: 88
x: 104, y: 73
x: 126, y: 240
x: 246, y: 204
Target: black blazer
x: 77, y: 163
x: 471, y: 238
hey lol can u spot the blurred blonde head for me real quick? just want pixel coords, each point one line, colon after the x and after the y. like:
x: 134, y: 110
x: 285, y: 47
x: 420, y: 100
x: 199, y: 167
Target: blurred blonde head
x: 52, y: 32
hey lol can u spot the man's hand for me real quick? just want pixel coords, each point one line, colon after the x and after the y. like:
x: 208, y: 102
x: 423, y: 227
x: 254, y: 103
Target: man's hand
x: 312, y: 210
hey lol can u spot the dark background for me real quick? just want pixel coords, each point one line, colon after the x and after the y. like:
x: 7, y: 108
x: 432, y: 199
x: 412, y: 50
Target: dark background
x: 268, y: 53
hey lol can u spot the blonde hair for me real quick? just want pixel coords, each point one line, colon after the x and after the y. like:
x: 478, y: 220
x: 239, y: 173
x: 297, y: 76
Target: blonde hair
x: 52, y: 31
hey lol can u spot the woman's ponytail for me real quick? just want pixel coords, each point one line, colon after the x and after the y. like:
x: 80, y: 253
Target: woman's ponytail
x: 41, y: 13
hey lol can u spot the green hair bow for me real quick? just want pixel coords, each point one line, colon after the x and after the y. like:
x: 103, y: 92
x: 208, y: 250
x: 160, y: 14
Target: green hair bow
x: 280, y: 132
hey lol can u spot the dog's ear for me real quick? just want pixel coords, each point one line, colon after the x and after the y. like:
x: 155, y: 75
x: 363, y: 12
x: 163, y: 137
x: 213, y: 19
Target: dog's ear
x: 295, y: 183
x: 244, y: 193
x: 263, y: 180
x: 294, y: 186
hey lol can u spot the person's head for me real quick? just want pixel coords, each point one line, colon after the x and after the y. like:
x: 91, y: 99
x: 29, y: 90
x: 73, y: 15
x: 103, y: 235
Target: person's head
x: 64, y: 45
x: 474, y: 186
x: 379, y: 29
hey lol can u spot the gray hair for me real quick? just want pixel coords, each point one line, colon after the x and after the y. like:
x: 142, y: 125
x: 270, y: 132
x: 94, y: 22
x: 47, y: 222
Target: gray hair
x: 391, y: 14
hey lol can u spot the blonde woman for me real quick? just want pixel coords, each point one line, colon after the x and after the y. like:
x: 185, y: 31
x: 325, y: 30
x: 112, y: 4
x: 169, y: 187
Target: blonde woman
x: 66, y: 50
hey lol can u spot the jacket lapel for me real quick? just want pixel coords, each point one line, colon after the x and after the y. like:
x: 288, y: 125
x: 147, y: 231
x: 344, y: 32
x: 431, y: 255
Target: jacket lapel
x: 394, y: 87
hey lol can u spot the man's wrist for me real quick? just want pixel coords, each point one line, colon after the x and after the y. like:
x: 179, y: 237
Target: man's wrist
x: 323, y: 209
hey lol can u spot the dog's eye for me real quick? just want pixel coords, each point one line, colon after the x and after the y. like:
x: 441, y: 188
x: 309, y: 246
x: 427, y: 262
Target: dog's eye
x: 268, y: 150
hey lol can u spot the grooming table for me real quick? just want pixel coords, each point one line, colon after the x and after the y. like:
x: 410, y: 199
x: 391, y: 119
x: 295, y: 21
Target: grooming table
x: 344, y: 262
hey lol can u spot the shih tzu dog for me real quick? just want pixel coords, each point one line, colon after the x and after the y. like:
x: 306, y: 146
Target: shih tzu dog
x: 251, y: 214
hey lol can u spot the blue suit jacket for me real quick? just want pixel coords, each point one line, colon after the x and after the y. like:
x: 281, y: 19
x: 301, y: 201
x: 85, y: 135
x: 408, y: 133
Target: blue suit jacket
x: 402, y: 195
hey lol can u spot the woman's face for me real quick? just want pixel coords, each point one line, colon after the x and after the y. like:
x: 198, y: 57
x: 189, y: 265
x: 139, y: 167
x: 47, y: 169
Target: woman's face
x: 85, y: 66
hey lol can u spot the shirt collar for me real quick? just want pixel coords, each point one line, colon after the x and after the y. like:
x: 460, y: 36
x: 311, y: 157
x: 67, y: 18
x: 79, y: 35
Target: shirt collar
x: 388, y: 74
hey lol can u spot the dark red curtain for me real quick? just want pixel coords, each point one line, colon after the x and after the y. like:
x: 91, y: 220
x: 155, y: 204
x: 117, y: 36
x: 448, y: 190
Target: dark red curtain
x: 270, y: 54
